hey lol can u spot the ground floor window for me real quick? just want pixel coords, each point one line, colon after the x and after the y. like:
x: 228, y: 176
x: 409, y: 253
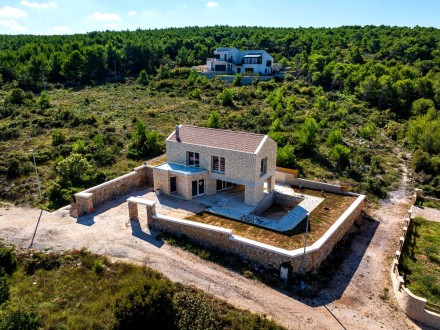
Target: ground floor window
x: 221, y: 185
x: 198, y: 187
x: 249, y: 70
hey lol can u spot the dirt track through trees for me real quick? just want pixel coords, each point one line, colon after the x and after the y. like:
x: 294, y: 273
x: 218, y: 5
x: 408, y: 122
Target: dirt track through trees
x: 352, y: 301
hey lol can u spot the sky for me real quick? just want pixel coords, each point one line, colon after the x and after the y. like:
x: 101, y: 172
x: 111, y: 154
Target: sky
x: 81, y: 16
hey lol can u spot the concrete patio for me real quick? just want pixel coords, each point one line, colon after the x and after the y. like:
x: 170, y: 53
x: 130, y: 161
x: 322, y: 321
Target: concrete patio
x: 230, y: 204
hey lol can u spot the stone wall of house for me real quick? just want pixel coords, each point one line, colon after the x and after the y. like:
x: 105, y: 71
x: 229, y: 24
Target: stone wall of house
x: 142, y: 176
x: 266, y: 255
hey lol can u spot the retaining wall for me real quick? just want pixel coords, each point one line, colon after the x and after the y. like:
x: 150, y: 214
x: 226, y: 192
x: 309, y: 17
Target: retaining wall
x: 97, y: 195
x: 315, y: 185
x: 264, y: 254
x: 412, y: 305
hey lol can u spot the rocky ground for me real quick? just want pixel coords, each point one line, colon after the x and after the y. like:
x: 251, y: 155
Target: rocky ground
x: 359, y: 296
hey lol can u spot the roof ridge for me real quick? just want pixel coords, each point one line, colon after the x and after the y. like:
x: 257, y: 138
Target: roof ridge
x: 224, y: 130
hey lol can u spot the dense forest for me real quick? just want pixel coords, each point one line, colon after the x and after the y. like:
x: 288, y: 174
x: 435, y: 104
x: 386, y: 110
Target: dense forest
x: 354, y: 102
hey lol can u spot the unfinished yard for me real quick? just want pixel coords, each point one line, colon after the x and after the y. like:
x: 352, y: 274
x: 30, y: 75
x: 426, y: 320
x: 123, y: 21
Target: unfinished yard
x: 321, y: 219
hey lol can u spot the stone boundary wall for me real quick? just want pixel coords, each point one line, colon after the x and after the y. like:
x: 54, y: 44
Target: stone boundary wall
x: 87, y: 200
x: 413, y: 306
x: 264, y: 254
x: 315, y: 185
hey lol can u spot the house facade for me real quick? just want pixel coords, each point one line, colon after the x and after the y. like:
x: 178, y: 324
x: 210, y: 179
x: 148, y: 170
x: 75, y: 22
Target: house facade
x: 247, y: 62
x: 203, y: 161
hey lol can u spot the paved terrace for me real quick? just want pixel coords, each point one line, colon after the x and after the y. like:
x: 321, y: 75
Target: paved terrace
x: 292, y: 218
x: 230, y: 204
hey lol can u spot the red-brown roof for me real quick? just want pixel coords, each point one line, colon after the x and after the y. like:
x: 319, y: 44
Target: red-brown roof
x: 218, y: 138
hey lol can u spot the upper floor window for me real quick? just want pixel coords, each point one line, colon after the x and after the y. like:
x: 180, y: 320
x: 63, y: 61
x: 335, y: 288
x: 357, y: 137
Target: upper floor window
x: 218, y: 164
x: 192, y: 159
x: 263, y: 167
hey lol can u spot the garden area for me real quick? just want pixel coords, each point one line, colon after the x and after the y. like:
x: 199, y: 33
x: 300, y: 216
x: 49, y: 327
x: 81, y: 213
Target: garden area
x: 321, y: 219
x: 420, y: 262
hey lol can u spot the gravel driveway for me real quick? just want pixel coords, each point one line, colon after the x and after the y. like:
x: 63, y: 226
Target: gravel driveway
x: 351, y: 301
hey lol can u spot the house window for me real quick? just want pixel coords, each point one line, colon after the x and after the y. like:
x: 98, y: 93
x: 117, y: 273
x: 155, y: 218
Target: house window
x: 192, y: 159
x: 268, y: 63
x: 249, y: 70
x: 218, y: 164
x: 263, y: 167
x: 198, y: 187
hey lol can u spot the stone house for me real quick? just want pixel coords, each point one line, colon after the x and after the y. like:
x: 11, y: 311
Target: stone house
x: 203, y: 161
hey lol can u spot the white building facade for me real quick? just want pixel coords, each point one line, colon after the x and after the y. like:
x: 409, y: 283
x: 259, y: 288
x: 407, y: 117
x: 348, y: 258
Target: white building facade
x: 246, y: 62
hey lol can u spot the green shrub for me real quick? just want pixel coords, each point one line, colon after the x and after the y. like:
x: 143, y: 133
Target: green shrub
x: 420, y: 161
x: 341, y: 155
x: 8, y: 259
x: 149, y: 304
x: 16, y: 96
x: 58, y: 137
x: 286, y: 156
x: 334, y: 137
x: 226, y: 97
x: 14, y: 318
x: 237, y: 80
x: 195, y: 94
x: 4, y: 287
x: 194, y: 312
x: 39, y: 260
x: 368, y: 131
x: 213, y: 120
x: 98, y: 266
x: 13, y: 170
x: 143, y: 78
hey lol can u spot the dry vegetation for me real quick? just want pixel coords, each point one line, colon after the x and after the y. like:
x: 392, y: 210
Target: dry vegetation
x: 321, y: 220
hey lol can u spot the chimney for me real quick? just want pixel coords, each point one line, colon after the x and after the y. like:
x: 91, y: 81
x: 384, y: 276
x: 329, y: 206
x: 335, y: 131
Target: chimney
x: 177, y: 133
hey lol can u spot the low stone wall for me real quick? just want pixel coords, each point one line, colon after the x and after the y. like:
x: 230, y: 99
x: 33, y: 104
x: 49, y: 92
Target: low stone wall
x: 315, y: 185
x: 87, y: 200
x: 266, y: 255
x: 412, y: 305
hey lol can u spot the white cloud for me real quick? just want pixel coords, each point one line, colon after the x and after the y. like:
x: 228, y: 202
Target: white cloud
x: 61, y: 29
x: 12, y: 24
x: 7, y: 11
x: 112, y: 26
x: 132, y: 13
x: 211, y: 4
x: 105, y: 17
x: 42, y: 5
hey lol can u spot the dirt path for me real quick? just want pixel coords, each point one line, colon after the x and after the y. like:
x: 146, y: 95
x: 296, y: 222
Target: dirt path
x: 352, y: 300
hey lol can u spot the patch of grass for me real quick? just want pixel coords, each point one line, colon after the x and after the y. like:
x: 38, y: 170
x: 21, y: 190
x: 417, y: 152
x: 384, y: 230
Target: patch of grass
x: 321, y: 220
x: 428, y: 203
x: 420, y: 262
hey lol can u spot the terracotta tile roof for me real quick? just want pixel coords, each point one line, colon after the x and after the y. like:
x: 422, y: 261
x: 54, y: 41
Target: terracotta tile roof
x: 218, y: 138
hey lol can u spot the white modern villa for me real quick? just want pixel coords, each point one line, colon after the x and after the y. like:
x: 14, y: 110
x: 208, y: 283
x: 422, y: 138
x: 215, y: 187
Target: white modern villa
x: 248, y: 62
